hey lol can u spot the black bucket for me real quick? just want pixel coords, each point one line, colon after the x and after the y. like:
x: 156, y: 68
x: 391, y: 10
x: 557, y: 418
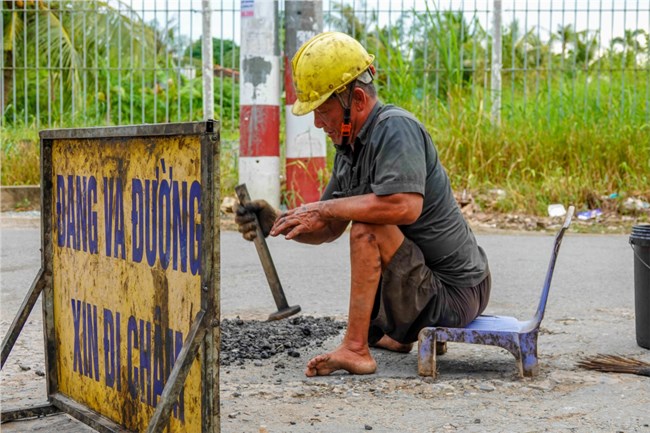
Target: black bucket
x: 640, y: 241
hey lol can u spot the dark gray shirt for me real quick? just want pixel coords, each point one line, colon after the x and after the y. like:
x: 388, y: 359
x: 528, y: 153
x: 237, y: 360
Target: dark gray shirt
x: 393, y: 153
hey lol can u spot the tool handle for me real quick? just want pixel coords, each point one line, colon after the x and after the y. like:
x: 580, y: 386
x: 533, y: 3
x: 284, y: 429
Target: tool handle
x: 265, y: 255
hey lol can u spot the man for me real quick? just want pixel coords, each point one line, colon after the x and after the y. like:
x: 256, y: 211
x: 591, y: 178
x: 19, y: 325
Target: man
x: 414, y: 260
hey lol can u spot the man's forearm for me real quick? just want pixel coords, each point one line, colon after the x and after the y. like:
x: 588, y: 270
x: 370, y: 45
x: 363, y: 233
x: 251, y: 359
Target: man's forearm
x: 325, y: 221
x: 394, y: 209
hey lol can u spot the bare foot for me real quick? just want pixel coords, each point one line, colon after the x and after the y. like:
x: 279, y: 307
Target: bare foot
x: 388, y: 343
x: 342, y: 358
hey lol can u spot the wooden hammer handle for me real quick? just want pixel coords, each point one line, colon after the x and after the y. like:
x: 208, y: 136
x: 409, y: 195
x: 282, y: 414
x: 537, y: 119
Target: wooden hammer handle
x: 265, y: 255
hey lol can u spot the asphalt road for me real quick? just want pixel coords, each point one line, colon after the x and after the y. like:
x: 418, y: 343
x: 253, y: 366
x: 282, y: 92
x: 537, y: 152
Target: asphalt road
x: 590, y: 310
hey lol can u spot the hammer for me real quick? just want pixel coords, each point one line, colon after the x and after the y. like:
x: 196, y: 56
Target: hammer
x: 284, y: 310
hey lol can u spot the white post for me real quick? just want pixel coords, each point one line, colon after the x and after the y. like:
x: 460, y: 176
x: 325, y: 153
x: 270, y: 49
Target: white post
x: 496, y: 63
x: 208, y: 66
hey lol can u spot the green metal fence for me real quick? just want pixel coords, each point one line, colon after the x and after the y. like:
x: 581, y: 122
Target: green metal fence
x: 113, y: 62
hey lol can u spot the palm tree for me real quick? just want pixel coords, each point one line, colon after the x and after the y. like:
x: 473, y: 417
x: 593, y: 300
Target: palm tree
x: 38, y: 22
x: 579, y: 46
x: 630, y: 46
x: 586, y: 47
x: 567, y: 36
x: 67, y: 49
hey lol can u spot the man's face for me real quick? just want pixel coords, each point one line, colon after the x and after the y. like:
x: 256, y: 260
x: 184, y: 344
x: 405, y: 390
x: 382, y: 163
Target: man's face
x: 329, y: 117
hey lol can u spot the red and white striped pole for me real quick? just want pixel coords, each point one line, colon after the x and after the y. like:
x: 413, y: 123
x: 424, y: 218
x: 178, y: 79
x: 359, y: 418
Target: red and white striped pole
x: 259, y: 100
x: 306, y: 148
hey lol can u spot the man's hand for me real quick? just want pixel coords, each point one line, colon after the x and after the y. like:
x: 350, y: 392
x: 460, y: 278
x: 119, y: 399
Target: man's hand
x: 245, y: 218
x: 304, y: 219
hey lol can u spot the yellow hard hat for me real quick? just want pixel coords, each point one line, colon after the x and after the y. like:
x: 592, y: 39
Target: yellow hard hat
x: 325, y: 64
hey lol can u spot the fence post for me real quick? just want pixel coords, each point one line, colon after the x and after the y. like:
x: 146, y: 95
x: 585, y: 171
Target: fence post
x: 496, y: 63
x: 306, y: 148
x: 259, y: 99
x: 208, y: 66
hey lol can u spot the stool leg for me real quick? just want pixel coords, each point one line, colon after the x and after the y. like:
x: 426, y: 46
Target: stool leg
x: 427, y: 353
x: 528, y: 347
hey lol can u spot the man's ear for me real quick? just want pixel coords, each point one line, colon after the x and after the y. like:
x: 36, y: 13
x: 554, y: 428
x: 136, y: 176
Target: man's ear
x: 359, y: 99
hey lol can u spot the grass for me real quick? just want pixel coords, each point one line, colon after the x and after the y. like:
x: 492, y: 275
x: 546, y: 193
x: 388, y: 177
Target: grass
x: 561, y: 153
x: 228, y: 163
x: 572, y: 132
x: 571, y: 154
x: 569, y: 163
x: 19, y: 157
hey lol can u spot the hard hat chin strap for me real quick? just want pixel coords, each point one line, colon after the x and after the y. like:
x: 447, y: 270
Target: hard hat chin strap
x: 346, y: 126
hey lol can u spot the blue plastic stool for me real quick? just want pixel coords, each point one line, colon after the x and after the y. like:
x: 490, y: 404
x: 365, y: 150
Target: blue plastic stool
x: 517, y: 337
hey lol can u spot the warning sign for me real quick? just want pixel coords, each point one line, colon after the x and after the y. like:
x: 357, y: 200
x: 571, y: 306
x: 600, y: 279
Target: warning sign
x: 127, y: 237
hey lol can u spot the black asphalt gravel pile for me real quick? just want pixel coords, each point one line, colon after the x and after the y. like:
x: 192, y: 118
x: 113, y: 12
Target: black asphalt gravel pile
x: 251, y: 340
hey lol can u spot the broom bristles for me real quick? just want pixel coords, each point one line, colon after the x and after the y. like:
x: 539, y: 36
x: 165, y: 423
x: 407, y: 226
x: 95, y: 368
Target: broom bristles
x: 616, y: 364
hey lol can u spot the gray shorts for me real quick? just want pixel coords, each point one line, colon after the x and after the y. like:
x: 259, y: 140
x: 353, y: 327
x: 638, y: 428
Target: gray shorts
x: 411, y: 297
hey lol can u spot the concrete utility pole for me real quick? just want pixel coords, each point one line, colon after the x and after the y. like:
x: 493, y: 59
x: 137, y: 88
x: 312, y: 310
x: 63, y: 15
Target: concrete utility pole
x: 306, y: 148
x: 259, y: 99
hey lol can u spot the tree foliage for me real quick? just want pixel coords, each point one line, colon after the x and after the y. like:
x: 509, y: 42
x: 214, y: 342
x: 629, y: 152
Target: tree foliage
x: 71, y: 62
x: 84, y: 63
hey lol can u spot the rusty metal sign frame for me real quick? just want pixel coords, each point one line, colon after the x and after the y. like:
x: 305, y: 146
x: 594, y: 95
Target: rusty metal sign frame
x: 203, y: 338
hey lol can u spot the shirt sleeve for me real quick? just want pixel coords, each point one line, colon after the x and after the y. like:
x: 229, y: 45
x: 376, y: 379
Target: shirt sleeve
x: 400, y: 157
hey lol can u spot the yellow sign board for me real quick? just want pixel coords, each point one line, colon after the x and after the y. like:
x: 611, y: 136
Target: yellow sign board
x: 126, y: 239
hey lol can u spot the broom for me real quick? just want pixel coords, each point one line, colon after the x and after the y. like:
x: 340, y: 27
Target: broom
x: 615, y: 364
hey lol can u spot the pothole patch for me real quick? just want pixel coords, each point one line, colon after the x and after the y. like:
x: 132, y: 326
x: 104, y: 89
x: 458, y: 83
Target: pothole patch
x: 251, y: 340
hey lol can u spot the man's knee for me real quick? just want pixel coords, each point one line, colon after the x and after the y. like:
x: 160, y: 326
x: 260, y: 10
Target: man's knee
x: 387, y: 237
x: 362, y: 232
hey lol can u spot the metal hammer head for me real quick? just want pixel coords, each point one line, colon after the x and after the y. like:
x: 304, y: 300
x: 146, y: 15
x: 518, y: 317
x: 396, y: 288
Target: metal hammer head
x: 284, y: 313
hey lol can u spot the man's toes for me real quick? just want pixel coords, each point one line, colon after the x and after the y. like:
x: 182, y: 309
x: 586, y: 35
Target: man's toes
x: 313, y: 363
x: 316, y: 364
